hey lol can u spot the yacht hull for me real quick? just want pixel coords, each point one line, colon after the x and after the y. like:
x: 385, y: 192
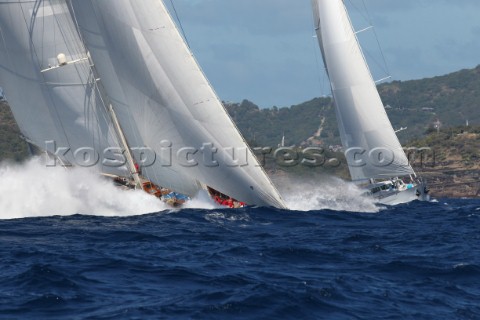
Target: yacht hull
x: 419, y: 192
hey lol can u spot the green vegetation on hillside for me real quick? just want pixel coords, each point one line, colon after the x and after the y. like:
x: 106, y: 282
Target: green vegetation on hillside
x: 448, y: 101
x: 11, y: 146
x: 451, y: 164
x: 265, y: 127
x: 420, y: 105
x: 457, y: 147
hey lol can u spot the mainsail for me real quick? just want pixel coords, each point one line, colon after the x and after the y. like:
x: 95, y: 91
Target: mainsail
x: 48, y: 82
x: 371, y: 145
x: 153, y: 79
x: 167, y: 110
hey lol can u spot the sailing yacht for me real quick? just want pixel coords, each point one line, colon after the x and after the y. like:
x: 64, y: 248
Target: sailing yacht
x: 375, y: 158
x: 112, y: 85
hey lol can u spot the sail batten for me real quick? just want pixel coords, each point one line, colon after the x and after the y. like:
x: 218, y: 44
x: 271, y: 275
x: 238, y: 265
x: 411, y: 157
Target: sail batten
x: 371, y: 145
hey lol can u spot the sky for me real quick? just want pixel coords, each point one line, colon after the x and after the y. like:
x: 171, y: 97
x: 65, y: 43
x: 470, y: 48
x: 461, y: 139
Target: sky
x: 265, y: 50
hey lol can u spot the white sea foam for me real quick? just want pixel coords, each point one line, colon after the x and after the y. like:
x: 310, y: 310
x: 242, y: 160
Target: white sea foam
x: 32, y: 189
x: 201, y: 201
x: 324, y: 193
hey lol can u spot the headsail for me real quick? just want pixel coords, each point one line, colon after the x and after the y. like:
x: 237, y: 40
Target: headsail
x: 165, y: 103
x: 372, y: 148
x: 46, y: 76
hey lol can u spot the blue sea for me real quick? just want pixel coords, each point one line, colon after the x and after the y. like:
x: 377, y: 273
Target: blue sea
x: 415, y: 261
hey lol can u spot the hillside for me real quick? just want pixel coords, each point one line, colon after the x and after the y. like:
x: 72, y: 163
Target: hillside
x: 265, y: 127
x: 11, y: 146
x: 450, y: 161
x: 418, y: 104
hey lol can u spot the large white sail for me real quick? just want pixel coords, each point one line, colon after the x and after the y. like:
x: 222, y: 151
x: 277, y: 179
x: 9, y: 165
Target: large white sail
x: 372, y: 147
x: 53, y: 98
x: 164, y: 101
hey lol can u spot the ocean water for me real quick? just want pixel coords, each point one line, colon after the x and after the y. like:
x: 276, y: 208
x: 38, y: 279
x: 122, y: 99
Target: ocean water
x: 334, y: 257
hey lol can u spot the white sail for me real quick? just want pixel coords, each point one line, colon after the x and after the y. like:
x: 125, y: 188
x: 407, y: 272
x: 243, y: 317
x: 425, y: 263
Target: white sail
x: 164, y: 102
x: 372, y: 147
x: 46, y: 76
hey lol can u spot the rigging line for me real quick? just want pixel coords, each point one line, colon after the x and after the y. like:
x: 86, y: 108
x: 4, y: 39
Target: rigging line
x: 67, y: 33
x: 321, y: 75
x: 98, y: 88
x: 34, y: 53
x: 376, y: 38
x: 90, y: 99
x: 73, y: 45
x: 121, y: 139
x: 360, y: 11
x: 366, y: 15
x: 395, y: 98
x: 43, y: 34
x: 180, y: 24
x: 65, y: 28
x: 130, y: 122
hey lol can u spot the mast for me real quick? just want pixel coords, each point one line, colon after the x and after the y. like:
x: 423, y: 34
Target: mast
x: 116, y: 125
x: 105, y: 100
x: 125, y: 147
x: 113, y: 118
